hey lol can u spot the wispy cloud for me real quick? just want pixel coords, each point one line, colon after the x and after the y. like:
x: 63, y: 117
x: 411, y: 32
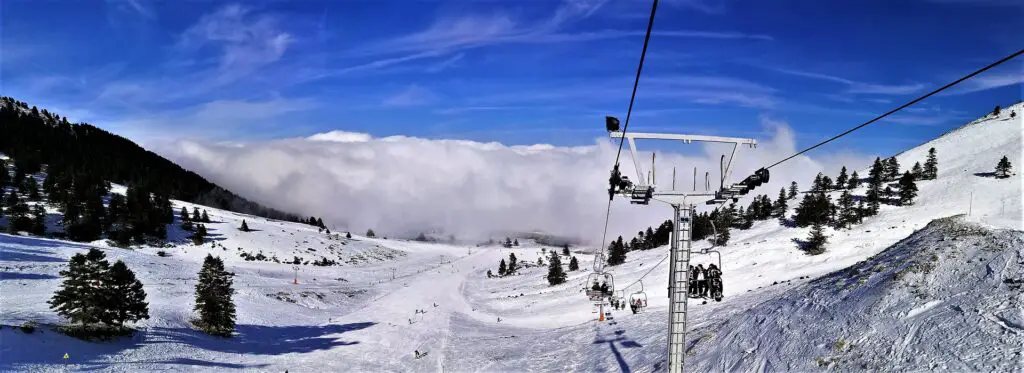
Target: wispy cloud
x: 451, y: 34
x: 245, y: 41
x: 989, y: 81
x: 134, y: 6
x: 413, y: 95
x: 449, y: 62
x: 855, y: 87
x: 883, y: 89
x: 704, y: 6
x: 218, y: 119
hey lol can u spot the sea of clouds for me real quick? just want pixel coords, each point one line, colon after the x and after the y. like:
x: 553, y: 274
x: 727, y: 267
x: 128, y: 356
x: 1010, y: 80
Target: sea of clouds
x: 401, y: 186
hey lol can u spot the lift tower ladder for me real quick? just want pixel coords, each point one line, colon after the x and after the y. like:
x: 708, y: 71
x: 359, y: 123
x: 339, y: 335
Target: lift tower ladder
x: 680, y: 244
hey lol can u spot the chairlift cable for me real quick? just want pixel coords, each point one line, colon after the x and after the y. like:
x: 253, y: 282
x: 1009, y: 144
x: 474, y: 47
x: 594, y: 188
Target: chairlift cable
x: 901, y: 107
x: 629, y: 112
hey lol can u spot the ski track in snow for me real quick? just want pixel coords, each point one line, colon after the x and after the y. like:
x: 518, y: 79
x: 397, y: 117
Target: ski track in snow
x: 896, y: 299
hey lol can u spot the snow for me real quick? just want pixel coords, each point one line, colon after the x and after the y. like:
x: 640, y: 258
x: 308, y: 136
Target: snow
x: 783, y: 310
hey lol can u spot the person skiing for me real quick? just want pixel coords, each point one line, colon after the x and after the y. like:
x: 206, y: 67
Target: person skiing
x: 702, y: 281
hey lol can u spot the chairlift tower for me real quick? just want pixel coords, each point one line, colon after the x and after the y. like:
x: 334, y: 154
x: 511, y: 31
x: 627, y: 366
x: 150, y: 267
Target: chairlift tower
x: 644, y: 190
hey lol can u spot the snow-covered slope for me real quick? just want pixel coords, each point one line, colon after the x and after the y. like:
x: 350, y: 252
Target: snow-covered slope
x: 946, y: 298
x: 355, y: 317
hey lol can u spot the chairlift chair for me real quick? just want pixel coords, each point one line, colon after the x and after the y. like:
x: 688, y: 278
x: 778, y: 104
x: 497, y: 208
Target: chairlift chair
x: 599, y: 278
x: 639, y: 298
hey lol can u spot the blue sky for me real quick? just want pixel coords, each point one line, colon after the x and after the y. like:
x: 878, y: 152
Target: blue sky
x: 517, y: 72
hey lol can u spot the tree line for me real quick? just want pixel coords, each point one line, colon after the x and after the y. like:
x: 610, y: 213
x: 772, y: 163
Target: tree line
x: 34, y: 138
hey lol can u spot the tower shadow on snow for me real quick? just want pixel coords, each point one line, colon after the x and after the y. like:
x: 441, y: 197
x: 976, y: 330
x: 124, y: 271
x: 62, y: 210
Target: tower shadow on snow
x: 625, y: 342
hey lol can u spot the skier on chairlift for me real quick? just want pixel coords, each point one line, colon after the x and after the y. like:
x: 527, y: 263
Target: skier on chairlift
x: 715, y: 282
x: 604, y: 288
x: 693, y: 282
x: 702, y: 281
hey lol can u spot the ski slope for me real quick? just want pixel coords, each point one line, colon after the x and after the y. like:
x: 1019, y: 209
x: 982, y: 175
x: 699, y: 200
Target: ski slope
x: 782, y: 311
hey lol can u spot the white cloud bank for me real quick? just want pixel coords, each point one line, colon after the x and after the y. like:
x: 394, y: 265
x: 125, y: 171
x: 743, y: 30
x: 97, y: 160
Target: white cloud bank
x: 400, y: 186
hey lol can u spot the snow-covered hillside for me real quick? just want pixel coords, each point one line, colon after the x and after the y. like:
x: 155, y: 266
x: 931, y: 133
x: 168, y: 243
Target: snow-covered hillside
x: 783, y: 310
x: 946, y: 298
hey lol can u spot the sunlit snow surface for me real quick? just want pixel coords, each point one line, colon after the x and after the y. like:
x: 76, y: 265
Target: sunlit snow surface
x: 881, y: 298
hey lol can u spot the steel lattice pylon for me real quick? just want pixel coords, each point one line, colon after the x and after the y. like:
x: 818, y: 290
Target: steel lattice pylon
x: 682, y: 221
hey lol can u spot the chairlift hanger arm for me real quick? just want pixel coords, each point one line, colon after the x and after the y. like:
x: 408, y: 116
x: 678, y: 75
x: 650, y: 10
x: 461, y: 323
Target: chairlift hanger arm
x: 681, y: 137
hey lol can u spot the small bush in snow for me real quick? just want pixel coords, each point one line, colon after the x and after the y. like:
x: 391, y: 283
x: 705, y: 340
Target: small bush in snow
x: 161, y: 253
x: 28, y: 327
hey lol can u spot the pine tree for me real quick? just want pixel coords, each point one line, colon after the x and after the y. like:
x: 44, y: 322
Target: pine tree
x: 502, y: 269
x: 196, y: 217
x: 847, y: 211
x: 489, y: 274
x: 515, y: 242
x: 370, y: 234
x: 574, y: 264
x: 4, y: 176
x: 814, y: 208
x: 18, y: 218
x: 348, y: 235
x: 206, y: 218
x: 854, y: 181
x: 38, y: 220
x: 33, y: 188
x: 908, y: 189
x: 842, y: 179
x: 793, y: 190
x: 213, y: 298
x: 875, y: 180
x: 931, y: 165
x: 1003, y: 168
x: 245, y: 227
x: 724, y: 221
x: 508, y: 242
x: 555, y: 273
x: 184, y: 215
x: 917, y: 171
x: 816, y: 184
x: 745, y: 219
x: 81, y: 297
x: 513, y: 264
x: 616, y: 252
x: 877, y: 172
x: 888, y: 193
x: 779, y: 208
x: 892, y: 169
x: 861, y: 211
x: 996, y: 111
x: 125, y: 295
x: 826, y: 183
x: 565, y: 250
x: 816, y: 241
